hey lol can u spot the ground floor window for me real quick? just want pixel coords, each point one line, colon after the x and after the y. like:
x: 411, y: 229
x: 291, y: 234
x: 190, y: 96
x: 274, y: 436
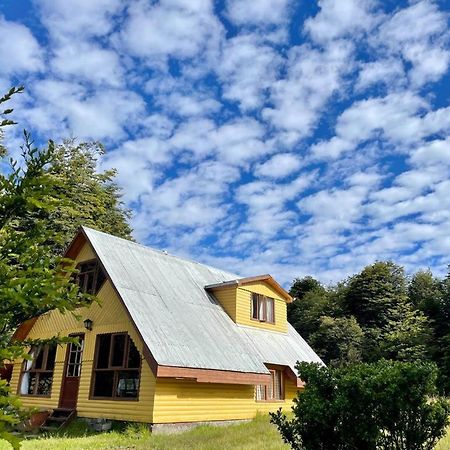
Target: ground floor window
x: 117, y: 365
x: 273, y: 391
x: 37, y: 372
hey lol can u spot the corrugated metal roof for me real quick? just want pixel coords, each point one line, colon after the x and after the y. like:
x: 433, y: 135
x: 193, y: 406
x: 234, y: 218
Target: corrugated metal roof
x: 182, y: 324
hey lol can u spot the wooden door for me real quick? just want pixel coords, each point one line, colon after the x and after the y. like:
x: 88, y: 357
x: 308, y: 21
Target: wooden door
x: 71, y: 375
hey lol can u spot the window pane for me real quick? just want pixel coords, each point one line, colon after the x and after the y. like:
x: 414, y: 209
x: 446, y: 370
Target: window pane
x: 128, y: 384
x: 44, y: 385
x: 103, y: 384
x: 32, y: 380
x: 39, y: 358
x: 260, y: 392
x: 255, y: 306
x: 134, y: 358
x: 104, y: 343
x: 100, y: 280
x: 277, y: 393
x: 118, y: 350
x: 51, y: 357
x: 270, y: 310
x: 261, y: 308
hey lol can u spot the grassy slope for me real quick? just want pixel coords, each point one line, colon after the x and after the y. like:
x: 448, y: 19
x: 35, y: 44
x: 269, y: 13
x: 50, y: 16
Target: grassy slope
x: 255, y: 435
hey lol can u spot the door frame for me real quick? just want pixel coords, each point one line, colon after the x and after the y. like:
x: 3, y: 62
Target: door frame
x: 66, y: 364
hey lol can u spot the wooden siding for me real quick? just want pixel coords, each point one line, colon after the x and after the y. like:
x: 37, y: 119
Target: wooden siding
x: 108, y: 316
x: 227, y: 298
x: 188, y: 401
x: 244, y: 307
x: 237, y: 302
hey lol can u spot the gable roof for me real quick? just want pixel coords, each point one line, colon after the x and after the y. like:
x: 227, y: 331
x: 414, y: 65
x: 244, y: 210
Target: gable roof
x: 180, y: 322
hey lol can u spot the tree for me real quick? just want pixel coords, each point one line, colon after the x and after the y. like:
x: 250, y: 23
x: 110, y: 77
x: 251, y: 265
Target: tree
x: 43, y: 200
x: 338, y: 341
x: 388, y: 405
x: 310, y: 302
x: 378, y: 299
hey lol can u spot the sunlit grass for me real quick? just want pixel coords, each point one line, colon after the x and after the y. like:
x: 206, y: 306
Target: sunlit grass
x: 254, y: 435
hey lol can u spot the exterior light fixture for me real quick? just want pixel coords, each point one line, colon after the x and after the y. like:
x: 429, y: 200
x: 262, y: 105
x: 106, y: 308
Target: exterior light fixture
x: 88, y: 324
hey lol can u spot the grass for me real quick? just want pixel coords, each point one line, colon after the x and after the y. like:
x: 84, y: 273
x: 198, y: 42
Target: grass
x: 254, y: 435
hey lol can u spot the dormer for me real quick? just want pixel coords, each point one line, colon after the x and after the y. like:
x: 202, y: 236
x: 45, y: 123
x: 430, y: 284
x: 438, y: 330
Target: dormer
x: 254, y: 301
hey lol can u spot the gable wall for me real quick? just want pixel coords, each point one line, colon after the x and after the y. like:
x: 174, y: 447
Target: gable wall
x: 244, y: 306
x: 108, y: 316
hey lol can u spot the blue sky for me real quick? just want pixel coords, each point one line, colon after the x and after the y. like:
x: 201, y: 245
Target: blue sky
x: 271, y: 136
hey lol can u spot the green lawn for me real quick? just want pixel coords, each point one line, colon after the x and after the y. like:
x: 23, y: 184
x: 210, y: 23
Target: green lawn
x: 255, y: 435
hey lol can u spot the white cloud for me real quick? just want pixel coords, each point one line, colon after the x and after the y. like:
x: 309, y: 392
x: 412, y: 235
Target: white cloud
x: 339, y: 19
x: 247, y: 70
x: 313, y: 76
x: 279, y: 166
x: 87, y: 62
x: 420, y: 35
x: 103, y: 115
x: 174, y: 28
x: 262, y: 12
x: 19, y: 50
x: 82, y: 17
x: 388, y: 72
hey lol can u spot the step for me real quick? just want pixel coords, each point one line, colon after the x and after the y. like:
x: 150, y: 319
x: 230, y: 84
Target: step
x: 57, y: 418
x: 47, y: 428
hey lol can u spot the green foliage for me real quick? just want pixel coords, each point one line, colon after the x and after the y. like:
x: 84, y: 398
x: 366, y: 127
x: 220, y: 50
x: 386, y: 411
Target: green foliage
x: 367, y: 317
x: 44, y: 198
x: 338, y: 340
x: 385, y: 405
x: 311, y: 300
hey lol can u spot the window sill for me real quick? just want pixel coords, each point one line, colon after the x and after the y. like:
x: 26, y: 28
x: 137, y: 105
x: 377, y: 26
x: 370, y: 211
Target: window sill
x: 270, y: 401
x: 115, y: 399
x: 262, y: 321
x: 34, y: 395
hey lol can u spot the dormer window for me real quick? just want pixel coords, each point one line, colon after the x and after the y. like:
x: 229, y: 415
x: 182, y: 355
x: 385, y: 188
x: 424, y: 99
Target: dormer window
x: 90, y: 277
x: 263, y: 308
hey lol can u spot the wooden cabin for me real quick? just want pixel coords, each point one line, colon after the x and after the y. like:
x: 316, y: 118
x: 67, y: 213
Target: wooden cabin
x: 169, y: 341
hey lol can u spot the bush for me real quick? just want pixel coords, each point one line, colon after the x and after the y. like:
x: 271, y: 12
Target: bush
x: 385, y: 405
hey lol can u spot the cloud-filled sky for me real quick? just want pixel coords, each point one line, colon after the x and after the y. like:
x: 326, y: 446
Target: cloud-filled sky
x: 266, y: 136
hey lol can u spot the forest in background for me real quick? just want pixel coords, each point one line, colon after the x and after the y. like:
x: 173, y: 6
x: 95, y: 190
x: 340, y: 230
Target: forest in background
x: 379, y: 313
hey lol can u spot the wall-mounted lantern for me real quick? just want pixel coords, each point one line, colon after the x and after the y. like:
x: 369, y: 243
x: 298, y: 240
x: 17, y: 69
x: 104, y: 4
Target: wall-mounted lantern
x: 88, y: 324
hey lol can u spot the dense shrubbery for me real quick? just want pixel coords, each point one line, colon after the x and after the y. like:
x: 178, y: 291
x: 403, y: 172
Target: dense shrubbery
x: 385, y: 405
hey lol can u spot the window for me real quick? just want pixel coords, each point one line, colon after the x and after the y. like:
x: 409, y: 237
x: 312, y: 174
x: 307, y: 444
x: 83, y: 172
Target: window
x: 116, y: 369
x: 73, y: 368
x: 274, y: 391
x: 263, y: 308
x: 90, y: 277
x: 37, y: 372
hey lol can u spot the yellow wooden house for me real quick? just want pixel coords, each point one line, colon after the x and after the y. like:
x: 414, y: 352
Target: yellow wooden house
x: 170, y: 341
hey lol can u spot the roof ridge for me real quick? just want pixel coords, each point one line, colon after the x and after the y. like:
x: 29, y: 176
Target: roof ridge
x: 162, y: 252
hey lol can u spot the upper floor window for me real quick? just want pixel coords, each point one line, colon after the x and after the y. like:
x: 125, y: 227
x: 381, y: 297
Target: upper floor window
x: 263, y: 308
x: 116, y: 368
x: 37, y: 372
x: 90, y: 277
x: 274, y: 391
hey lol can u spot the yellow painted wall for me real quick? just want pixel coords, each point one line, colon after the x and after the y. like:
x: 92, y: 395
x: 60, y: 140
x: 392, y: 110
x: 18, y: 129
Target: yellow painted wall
x: 108, y: 316
x: 237, y: 302
x: 188, y: 401
x: 227, y: 298
x: 244, y: 307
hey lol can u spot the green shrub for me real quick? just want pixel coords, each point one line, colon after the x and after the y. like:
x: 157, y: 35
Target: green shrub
x: 385, y: 405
